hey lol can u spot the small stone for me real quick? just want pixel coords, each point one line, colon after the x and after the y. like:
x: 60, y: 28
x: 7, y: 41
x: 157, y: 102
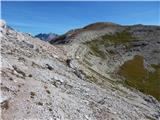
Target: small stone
x: 30, y: 75
x: 40, y: 103
x: 48, y: 91
x: 49, y: 67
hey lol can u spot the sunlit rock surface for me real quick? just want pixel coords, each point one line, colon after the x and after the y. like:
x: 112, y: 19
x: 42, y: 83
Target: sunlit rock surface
x: 69, y: 81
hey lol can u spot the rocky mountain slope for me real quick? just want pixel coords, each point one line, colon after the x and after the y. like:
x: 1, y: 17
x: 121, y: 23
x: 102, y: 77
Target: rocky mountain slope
x: 129, y: 54
x: 72, y: 81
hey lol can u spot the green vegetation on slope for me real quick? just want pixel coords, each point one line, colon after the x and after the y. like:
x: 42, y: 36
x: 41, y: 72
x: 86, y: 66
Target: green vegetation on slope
x: 95, y: 50
x: 138, y: 77
x: 133, y: 70
x: 117, y: 38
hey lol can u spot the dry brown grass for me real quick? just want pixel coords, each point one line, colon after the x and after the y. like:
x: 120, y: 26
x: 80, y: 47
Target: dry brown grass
x: 138, y: 77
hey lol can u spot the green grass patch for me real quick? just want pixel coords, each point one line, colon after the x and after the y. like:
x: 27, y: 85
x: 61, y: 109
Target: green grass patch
x: 119, y: 37
x: 96, y: 51
x: 138, y: 77
x: 106, y: 40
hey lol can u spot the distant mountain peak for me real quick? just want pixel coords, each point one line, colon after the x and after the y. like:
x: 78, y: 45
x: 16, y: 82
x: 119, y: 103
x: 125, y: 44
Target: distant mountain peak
x: 46, y: 36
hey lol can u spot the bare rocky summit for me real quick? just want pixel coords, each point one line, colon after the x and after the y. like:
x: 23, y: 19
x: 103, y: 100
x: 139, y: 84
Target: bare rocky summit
x: 74, y: 81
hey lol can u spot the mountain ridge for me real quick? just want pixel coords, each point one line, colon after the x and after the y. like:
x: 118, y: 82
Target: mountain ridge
x: 72, y: 81
x: 118, y: 42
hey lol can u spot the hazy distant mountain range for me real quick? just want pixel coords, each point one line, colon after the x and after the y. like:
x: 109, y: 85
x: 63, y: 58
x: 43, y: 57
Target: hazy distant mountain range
x: 46, y: 37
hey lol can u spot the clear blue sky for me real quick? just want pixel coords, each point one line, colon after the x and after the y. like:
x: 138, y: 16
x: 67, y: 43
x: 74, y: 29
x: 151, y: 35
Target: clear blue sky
x: 59, y: 17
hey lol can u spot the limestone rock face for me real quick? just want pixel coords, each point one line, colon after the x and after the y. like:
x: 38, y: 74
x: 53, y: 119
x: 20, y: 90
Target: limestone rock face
x: 66, y: 82
x: 2, y: 24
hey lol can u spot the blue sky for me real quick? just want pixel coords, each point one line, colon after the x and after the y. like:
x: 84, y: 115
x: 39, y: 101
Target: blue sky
x: 59, y: 17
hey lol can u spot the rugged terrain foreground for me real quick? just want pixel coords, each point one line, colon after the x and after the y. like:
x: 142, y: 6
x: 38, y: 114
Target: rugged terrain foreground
x: 85, y: 75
